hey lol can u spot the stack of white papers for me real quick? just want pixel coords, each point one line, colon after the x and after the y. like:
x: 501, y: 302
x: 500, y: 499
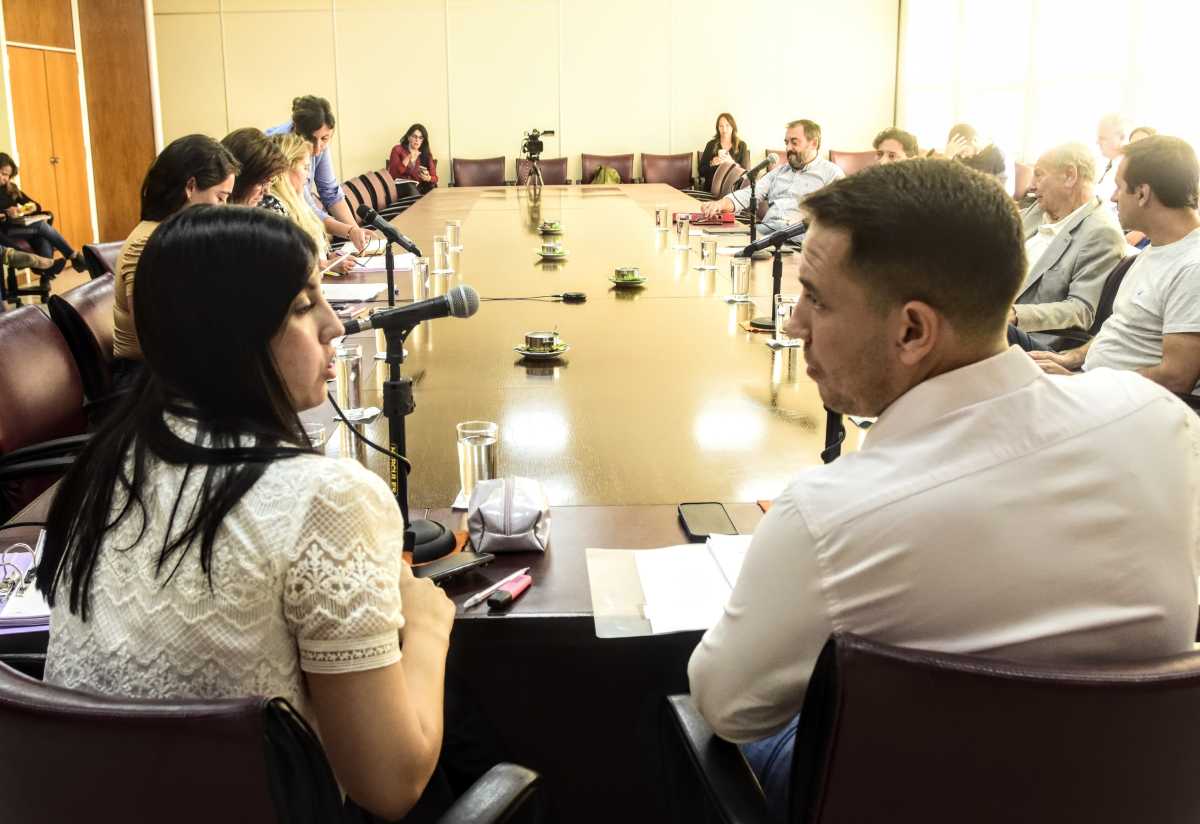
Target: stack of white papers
x: 351, y: 291
x: 378, y: 263
x: 25, y: 606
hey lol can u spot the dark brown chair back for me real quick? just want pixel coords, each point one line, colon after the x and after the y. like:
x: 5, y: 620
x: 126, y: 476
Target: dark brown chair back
x: 376, y: 189
x: 488, y: 172
x: 75, y: 756
x: 1108, y: 295
x: 1022, y: 179
x: 84, y: 316
x: 622, y: 163
x: 674, y: 170
x: 851, y: 162
x: 41, y: 395
x: 725, y: 179
x: 101, y: 258
x: 554, y: 171
x: 899, y: 735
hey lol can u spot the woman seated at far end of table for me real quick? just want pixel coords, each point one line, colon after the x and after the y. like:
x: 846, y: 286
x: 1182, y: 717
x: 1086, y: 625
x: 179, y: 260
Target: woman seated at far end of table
x: 283, y: 196
x: 191, y: 170
x: 724, y: 147
x: 200, y: 548
x: 412, y: 159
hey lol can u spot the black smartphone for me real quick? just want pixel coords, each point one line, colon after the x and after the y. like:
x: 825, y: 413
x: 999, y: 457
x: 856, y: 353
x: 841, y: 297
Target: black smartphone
x: 452, y: 565
x: 702, y: 519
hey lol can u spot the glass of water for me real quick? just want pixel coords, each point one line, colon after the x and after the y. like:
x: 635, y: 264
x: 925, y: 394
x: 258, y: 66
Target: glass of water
x: 662, y: 218
x: 420, y: 278
x: 739, y: 275
x: 315, y: 432
x: 683, y: 229
x: 784, y: 305
x: 441, y: 255
x: 708, y: 253
x: 454, y: 235
x: 476, y: 453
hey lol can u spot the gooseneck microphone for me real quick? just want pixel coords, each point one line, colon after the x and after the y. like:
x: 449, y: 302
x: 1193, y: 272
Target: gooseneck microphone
x: 368, y: 215
x: 459, y: 302
x: 771, y: 160
x: 774, y: 239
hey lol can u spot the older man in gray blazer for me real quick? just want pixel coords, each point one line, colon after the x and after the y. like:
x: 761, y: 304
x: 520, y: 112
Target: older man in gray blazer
x: 1072, y: 242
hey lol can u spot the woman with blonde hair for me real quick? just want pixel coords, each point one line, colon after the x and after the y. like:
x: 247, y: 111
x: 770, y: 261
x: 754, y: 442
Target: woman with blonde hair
x: 284, y: 195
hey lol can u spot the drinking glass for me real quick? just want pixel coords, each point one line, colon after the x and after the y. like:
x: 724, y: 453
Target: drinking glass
x: 708, y: 253
x: 784, y: 304
x: 476, y: 453
x: 420, y: 278
x: 347, y: 365
x: 454, y: 235
x: 441, y: 255
x: 739, y: 274
x: 315, y: 432
x: 683, y: 228
x: 662, y: 218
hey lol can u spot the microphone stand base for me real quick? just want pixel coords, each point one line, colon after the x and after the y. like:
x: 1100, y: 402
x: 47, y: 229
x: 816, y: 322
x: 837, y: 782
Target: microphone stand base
x: 766, y: 324
x: 431, y: 540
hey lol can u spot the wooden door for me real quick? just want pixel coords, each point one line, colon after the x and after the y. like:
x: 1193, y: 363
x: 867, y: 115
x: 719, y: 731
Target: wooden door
x: 74, y: 215
x: 31, y: 116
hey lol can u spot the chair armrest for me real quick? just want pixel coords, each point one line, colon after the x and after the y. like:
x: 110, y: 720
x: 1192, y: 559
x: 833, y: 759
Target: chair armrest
x: 503, y: 790
x: 70, y: 445
x: 722, y: 770
x: 10, y: 471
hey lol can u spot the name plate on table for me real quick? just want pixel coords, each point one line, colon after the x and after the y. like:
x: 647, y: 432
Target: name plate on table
x: 638, y: 592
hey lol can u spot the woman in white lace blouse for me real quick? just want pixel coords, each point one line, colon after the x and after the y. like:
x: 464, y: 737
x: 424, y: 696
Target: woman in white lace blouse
x: 199, y: 548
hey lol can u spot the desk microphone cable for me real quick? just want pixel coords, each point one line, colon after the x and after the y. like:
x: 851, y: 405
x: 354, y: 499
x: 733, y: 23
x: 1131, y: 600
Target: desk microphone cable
x: 350, y: 425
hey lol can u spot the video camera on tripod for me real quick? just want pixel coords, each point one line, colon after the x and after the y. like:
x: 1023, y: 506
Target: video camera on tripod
x: 532, y: 147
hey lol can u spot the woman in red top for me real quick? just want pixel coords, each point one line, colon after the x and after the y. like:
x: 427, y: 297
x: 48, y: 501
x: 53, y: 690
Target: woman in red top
x: 411, y: 159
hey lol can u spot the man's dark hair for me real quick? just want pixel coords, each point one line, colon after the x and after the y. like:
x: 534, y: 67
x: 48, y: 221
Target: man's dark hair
x: 259, y: 157
x: 907, y: 140
x: 811, y: 130
x: 1168, y: 165
x: 964, y: 130
x: 933, y: 231
x: 310, y: 113
x: 191, y: 156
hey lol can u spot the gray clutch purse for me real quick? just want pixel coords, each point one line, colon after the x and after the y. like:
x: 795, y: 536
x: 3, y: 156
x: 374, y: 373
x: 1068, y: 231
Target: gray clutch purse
x: 509, y: 515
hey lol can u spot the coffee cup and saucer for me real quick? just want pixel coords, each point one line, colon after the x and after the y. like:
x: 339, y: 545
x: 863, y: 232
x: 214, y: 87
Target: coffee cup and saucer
x: 552, y: 250
x: 542, y: 346
x: 624, y: 276
x: 551, y: 227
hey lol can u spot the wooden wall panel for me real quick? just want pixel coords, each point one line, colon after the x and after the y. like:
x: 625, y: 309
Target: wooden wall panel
x: 74, y: 215
x: 31, y: 118
x: 39, y: 22
x: 116, y: 70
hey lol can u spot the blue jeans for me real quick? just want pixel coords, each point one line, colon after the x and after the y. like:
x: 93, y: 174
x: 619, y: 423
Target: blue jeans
x: 771, y: 760
x: 42, y: 237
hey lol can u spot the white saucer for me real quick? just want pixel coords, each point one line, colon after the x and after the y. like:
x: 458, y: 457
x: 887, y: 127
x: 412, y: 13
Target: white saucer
x: 620, y: 283
x: 527, y: 353
x: 545, y: 256
x: 546, y: 231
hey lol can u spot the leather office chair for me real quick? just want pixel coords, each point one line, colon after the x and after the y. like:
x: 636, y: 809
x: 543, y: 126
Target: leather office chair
x: 378, y: 190
x: 41, y: 407
x: 726, y: 178
x: 674, y: 170
x: 591, y: 163
x: 487, y: 172
x: 84, y: 316
x: 851, y: 162
x: 101, y: 258
x: 554, y: 171
x: 1064, y: 339
x: 1022, y: 180
x: 904, y: 735
x: 76, y: 756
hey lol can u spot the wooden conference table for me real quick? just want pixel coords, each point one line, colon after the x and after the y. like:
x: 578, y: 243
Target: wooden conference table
x: 662, y: 398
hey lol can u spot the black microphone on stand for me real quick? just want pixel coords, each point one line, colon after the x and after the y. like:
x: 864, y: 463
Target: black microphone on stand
x: 771, y: 160
x: 368, y: 215
x: 459, y: 302
x: 774, y: 239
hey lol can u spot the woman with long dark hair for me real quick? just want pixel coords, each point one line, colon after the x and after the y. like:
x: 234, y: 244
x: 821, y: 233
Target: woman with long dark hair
x: 724, y: 147
x: 41, y: 235
x: 199, y: 547
x: 412, y: 159
x: 191, y: 170
x: 261, y: 162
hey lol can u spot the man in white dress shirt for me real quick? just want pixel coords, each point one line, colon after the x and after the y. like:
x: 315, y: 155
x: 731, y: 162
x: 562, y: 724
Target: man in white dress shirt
x: 786, y: 185
x: 1111, y: 134
x: 993, y: 509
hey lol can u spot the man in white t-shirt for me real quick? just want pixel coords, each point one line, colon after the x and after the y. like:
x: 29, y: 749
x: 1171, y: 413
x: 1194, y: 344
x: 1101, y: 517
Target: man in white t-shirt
x: 982, y: 514
x: 1155, y: 325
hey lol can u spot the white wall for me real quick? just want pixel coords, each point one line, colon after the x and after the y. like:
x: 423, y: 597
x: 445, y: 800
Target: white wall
x: 613, y: 76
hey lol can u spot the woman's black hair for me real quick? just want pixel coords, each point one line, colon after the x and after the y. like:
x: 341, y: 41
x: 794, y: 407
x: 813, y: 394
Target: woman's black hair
x: 259, y: 157
x: 6, y: 160
x: 214, y: 286
x: 309, y: 114
x: 426, y: 154
x: 192, y: 156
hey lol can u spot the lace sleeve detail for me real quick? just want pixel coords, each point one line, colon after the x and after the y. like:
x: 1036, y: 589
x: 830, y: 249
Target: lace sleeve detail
x: 342, y: 591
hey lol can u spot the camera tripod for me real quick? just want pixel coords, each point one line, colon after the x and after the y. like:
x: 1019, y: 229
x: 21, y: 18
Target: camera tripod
x: 534, y: 180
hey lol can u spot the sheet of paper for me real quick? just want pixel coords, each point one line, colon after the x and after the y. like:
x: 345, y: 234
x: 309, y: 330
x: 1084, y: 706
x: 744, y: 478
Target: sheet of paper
x: 378, y: 263
x: 25, y: 609
x: 730, y: 250
x: 729, y: 552
x: 352, y: 291
x: 684, y: 589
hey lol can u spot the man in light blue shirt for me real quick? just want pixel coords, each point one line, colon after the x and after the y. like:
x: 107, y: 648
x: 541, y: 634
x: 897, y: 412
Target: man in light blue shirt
x: 312, y: 119
x: 785, y: 186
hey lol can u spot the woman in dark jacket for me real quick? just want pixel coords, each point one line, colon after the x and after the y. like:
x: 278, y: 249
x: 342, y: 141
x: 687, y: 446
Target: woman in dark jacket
x: 14, y: 205
x: 725, y: 147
